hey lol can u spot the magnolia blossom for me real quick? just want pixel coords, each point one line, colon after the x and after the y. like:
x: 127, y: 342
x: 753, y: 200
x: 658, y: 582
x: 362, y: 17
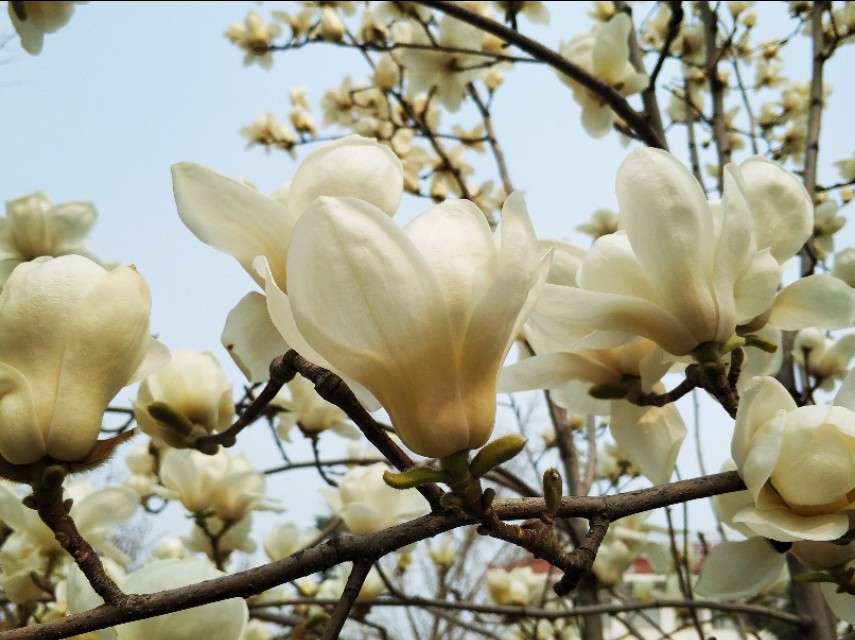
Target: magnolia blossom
x: 33, y: 19
x: 421, y: 317
x: 604, y: 53
x: 844, y: 266
x: 286, y: 538
x: 35, y: 227
x: 684, y: 271
x: 225, y: 484
x: 366, y: 503
x: 235, y: 218
x: 71, y: 336
x: 823, y: 357
x: 255, y: 37
x: 798, y: 463
x: 195, y: 390
x: 310, y: 413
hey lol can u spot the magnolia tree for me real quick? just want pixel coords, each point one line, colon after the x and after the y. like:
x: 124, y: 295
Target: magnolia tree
x: 718, y: 276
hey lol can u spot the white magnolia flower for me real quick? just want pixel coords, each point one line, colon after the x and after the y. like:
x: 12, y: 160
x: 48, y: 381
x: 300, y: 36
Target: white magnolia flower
x: 286, y: 538
x: 310, y: 413
x: 604, y: 53
x: 35, y: 227
x: 71, y: 336
x: 33, y: 19
x: 684, y: 271
x: 798, y: 463
x: 196, y: 391
x: 240, y: 221
x: 422, y: 317
x: 225, y: 484
x: 823, y: 357
x: 255, y: 36
x: 366, y: 503
x: 844, y: 266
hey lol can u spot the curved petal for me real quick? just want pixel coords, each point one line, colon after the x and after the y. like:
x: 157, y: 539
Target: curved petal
x: 105, y: 507
x: 107, y: 340
x: 846, y: 394
x: 819, y: 300
x: 379, y: 317
x: 756, y: 287
x: 21, y: 439
x: 670, y: 227
x: 739, y: 569
x: 69, y: 225
x: 233, y: 217
x: 650, y: 436
x: 780, y: 206
x: 783, y: 525
x: 610, y: 266
x: 762, y: 402
x: 354, y: 167
x: 552, y: 370
x: 611, y: 49
x: 251, y: 338
x: 609, y: 312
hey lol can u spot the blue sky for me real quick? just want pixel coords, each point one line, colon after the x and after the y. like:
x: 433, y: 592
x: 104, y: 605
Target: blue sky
x: 126, y: 89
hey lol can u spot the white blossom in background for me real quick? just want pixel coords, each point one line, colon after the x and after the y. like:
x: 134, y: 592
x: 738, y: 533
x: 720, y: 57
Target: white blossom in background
x: 225, y: 484
x: 286, y: 538
x: 366, y: 503
x: 195, y: 390
x: 310, y: 413
x: 34, y: 18
x: 422, y: 317
x: 515, y: 587
x: 71, y: 336
x: 844, y: 266
x: 255, y: 36
x: 823, y: 357
x: 235, y: 218
x: 604, y: 53
x: 35, y: 227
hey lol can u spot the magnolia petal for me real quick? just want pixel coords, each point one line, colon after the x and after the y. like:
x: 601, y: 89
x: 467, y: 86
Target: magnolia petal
x: 732, y: 251
x: 105, y: 507
x: 780, y: 205
x: 612, y: 313
x: 675, y: 252
x: 379, y: 318
x: 819, y: 300
x: 762, y: 402
x: 251, y: 338
x: 156, y: 355
x: 650, y: 437
x: 755, y: 289
x: 611, y: 49
x: 354, y: 167
x: 783, y: 525
x: 739, y: 569
x: 566, y: 260
x: 108, y: 338
x: 609, y: 255
x: 21, y: 439
x: 455, y: 241
x: 552, y: 370
x: 233, y: 217
x: 763, y: 456
x: 846, y: 394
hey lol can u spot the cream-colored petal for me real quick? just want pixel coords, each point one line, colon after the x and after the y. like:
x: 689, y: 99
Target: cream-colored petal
x: 108, y: 339
x: 251, y: 338
x: 650, y: 437
x: 233, y: 217
x: 762, y: 402
x: 783, y: 525
x: 21, y: 438
x: 819, y: 300
x: 354, y: 167
x: 553, y: 370
x: 755, y: 289
x: 780, y: 206
x: 610, y: 266
x: 739, y: 569
x: 364, y: 299
x: 842, y: 604
x: 670, y: 227
x: 611, y: 49
x: 105, y: 507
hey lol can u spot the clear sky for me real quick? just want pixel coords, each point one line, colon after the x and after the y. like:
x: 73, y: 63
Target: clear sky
x: 126, y: 89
